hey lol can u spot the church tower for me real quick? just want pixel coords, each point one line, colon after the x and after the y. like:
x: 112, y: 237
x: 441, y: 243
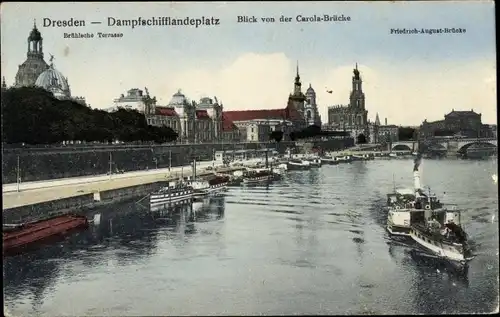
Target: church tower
x: 311, y: 108
x: 297, y: 99
x: 358, y: 112
x: 35, y: 64
x: 357, y: 98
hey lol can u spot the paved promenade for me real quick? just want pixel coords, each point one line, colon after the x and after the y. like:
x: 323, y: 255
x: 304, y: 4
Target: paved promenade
x: 42, y: 191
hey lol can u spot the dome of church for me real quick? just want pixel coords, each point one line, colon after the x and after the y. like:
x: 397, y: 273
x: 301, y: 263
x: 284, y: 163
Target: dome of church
x: 178, y: 99
x: 310, y: 90
x: 52, y: 80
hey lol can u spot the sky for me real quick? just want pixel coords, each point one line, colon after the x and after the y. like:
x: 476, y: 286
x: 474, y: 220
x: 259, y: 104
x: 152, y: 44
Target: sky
x: 406, y: 78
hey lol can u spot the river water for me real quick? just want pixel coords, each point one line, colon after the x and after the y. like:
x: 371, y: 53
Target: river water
x: 313, y: 243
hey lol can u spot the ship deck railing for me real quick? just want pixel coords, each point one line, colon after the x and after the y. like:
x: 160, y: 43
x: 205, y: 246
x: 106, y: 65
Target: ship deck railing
x: 436, y: 235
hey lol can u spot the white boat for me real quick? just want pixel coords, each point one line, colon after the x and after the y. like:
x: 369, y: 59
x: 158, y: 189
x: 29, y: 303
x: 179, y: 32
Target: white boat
x: 448, y: 241
x: 392, y: 154
x: 360, y: 157
x: 314, y: 161
x: 174, y: 192
x: 344, y: 159
x: 298, y: 165
x: 328, y: 160
x: 203, y: 188
x: 410, y: 206
x: 282, y: 167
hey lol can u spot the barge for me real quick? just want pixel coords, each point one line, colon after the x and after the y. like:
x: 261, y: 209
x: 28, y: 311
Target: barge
x: 17, y: 238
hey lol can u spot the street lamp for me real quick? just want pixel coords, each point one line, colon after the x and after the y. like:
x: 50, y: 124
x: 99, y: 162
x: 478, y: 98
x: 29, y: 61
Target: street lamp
x: 110, y: 165
x: 18, y: 174
x: 169, y: 160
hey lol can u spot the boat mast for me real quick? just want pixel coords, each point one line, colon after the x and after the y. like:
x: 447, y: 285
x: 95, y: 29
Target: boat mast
x: 394, y: 182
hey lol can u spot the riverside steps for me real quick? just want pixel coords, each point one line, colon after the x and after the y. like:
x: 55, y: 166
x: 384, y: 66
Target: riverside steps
x: 41, y: 199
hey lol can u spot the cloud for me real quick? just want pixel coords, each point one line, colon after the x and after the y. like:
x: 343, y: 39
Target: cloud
x: 404, y: 94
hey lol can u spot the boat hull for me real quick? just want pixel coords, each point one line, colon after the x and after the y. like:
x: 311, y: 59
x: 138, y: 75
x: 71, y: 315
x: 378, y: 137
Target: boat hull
x: 453, y: 252
x: 395, y: 230
x: 211, y: 189
x: 170, y: 197
x: 31, y: 235
x: 257, y: 180
x: 329, y: 161
x: 298, y: 167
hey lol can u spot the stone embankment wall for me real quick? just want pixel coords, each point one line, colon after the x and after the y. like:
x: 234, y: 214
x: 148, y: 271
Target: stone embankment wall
x: 36, y: 211
x: 37, y: 164
x: 83, y: 202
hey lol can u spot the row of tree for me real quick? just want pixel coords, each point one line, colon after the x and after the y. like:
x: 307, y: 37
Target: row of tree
x: 306, y: 133
x: 32, y: 115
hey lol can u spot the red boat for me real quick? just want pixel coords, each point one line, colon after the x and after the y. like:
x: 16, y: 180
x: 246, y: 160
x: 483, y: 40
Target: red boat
x: 218, y: 180
x: 26, y: 235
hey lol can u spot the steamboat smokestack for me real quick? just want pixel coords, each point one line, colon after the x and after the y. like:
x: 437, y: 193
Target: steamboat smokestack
x: 416, y: 173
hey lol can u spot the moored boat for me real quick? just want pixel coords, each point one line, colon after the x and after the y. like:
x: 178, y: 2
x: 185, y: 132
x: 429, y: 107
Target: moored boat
x: 27, y: 235
x: 314, y: 162
x: 257, y: 176
x: 344, y: 159
x: 174, y: 192
x: 214, y: 184
x: 293, y: 165
x: 328, y: 160
x: 360, y: 157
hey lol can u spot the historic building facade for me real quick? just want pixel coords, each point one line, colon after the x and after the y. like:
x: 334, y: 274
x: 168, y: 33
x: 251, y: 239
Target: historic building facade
x: 353, y: 117
x: 35, y: 72
x: 458, y: 123
x: 381, y: 133
x: 301, y: 111
x: 194, y: 122
x: 132, y: 100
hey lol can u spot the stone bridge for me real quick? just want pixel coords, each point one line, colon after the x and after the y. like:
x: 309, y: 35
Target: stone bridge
x: 459, y: 145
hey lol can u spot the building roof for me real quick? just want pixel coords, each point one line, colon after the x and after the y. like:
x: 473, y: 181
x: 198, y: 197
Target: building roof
x: 288, y: 113
x: 178, y: 99
x: 165, y: 111
x: 52, y: 80
x: 227, y: 124
x: 461, y: 112
x: 202, y: 114
x: 35, y: 34
x: 310, y: 90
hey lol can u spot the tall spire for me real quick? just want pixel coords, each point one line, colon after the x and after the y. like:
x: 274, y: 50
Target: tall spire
x: 356, y: 65
x: 34, y: 23
x: 377, y: 120
x: 298, y: 69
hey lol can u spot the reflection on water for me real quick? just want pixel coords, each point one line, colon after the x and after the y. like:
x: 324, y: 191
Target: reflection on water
x: 127, y: 233
x: 312, y: 243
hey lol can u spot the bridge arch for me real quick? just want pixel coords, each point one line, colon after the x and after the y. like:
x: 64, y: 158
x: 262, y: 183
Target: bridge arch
x: 401, y: 147
x: 486, y: 145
